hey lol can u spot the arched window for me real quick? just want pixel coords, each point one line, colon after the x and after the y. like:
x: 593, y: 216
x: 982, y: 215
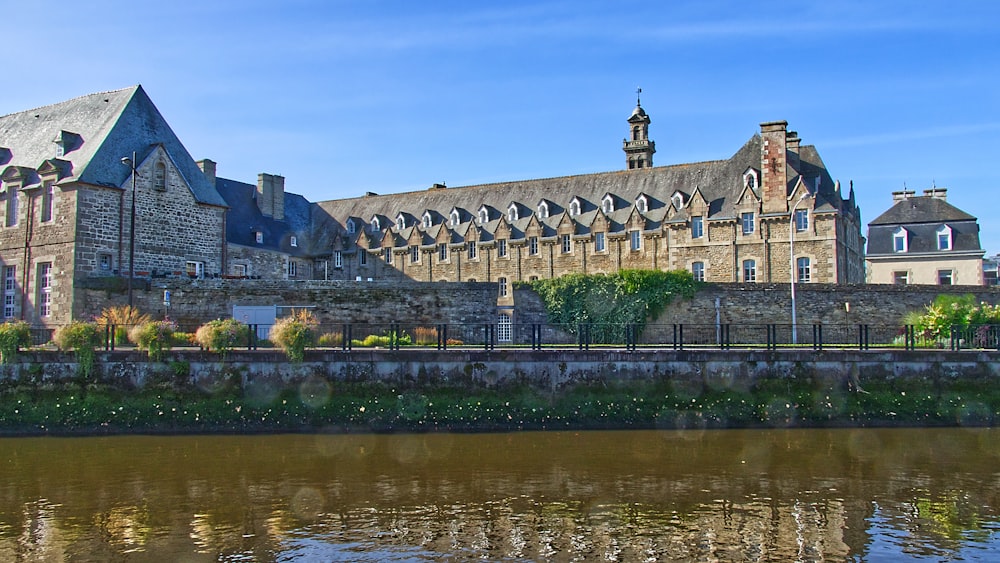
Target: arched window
x: 641, y: 204
x: 400, y: 223
x: 944, y: 238
x: 574, y: 208
x: 351, y: 228
x: 455, y: 219
x: 543, y: 210
x: 512, y: 214
x: 484, y: 216
x: 608, y: 204
x: 376, y: 226
x: 160, y: 176
x: 635, y: 133
x: 427, y: 220
x: 899, y: 240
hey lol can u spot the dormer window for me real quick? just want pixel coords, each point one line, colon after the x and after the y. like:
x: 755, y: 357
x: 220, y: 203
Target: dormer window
x: 376, y: 225
x: 944, y: 238
x: 641, y: 204
x: 543, y: 210
x: 293, y: 241
x: 751, y: 179
x: 259, y: 237
x: 512, y: 214
x: 574, y: 207
x: 160, y: 176
x: 608, y: 204
x: 899, y: 240
x: 351, y: 227
x: 400, y: 222
x: 455, y: 219
x: 677, y: 200
x: 484, y: 215
x: 427, y: 220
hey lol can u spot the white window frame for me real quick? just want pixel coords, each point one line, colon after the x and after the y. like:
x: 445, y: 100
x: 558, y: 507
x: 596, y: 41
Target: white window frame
x: 502, y: 286
x: 532, y: 246
x: 901, y: 277
x: 387, y: 255
x: 414, y: 255
x: 803, y: 269
x: 900, y: 240
x: 442, y: 252
x: 473, y: 252
x: 608, y: 204
x: 338, y: 259
x: 504, y: 328
x: 567, y: 244
x: 502, y: 248
x: 9, y: 291
x: 698, y: 271
x: 400, y: 222
x: 948, y: 275
x: 195, y: 267
x: 240, y: 270
x: 749, y: 269
x: 944, y: 235
x: 801, y: 220
x: 45, y: 289
x: 635, y: 240
x: 455, y: 218
x: 574, y: 207
x: 543, y: 210
x: 512, y: 214
x: 293, y: 269
x: 600, y: 242
x: 105, y: 262
x: 259, y: 237
x: 427, y: 220
x: 641, y: 204
x: 376, y: 225
x: 293, y: 241
x: 697, y: 227
x: 748, y: 222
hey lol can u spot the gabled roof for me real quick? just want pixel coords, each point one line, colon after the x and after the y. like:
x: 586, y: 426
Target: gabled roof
x: 922, y: 217
x: 244, y: 220
x: 103, y: 128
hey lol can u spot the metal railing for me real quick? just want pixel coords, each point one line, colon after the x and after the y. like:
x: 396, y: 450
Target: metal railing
x: 629, y: 337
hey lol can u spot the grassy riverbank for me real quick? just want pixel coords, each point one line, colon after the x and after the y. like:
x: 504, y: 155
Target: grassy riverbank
x: 316, y: 404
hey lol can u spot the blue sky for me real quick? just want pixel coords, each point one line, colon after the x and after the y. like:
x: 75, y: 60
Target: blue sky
x: 344, y: 97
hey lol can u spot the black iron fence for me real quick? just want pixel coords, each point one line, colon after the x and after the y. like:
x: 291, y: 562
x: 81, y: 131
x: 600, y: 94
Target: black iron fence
x: 677, y: 336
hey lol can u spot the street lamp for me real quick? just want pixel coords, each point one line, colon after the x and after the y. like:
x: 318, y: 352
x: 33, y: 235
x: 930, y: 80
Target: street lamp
x: 130, y: 162
x: 791, y: 262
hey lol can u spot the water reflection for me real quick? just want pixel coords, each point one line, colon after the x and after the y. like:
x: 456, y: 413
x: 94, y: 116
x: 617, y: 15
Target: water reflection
x: 805, y: 495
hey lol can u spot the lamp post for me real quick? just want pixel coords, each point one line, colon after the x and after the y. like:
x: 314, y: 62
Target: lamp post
x: 791, y: 263
x: 130, y: 162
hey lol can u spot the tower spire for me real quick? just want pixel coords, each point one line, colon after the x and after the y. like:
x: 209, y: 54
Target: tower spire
x: 637, y: 146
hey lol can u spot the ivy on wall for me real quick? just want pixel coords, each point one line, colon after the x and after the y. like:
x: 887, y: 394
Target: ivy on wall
x: 609, y: 302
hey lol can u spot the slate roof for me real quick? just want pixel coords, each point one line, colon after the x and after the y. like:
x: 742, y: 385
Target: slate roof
x: 719, y: 181
x: 244, y: 220
x: 106, y: 126
x: 922, y: 216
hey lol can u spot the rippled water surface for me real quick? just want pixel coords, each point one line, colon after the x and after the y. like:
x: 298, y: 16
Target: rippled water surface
x: 741, y: 495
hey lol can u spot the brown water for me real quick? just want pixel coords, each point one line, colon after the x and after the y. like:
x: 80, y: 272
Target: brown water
x: 770, y: 495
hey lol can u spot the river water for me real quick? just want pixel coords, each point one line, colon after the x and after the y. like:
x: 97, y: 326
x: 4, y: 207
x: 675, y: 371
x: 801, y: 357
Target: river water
x: 734, y: 495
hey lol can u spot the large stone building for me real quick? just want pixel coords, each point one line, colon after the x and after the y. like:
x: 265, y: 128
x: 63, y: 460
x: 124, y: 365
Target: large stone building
x: 924, y: 240
x: 67, y: 203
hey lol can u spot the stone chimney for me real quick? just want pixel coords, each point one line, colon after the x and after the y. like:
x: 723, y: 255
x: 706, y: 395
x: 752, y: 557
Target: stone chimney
x: 937, y: 193
x: 792, y: 142
x: 271, y: 195
x: 902, y: 195
x: 208, y: 169
x: 774, y: 179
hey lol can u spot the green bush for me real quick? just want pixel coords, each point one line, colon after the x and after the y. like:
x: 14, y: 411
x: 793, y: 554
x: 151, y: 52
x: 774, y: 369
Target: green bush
x: 222, y: 335
x: 156, y: 337
x: 611, y: 301
x: 947, y: 311
x: 13, y: 336
x: 82, y: 338
x: 295, y: 333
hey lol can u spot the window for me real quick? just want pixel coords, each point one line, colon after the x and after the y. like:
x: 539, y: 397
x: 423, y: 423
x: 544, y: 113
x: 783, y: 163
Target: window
x: 9, y: 291
x: 901, y: 278
x: 455, y: 219
x: 45, y: 289
x: 240, y: 270
x: 899, y: 242
x: 414, y: 254
x: 427, y: 220
x: 748, y: 223
x: 46, y: 211
x: 640, y: 202
x: 502, y: 248
x: 697, y: 227
x: 104, y: 262
x: 607, y: 204
x: 362, y: 257
x: 502, y: 286
x: 376, y: 226
x: 294, y: 241
x: 944, y: 277
x: 512, y: 214
x: 574, y: 208
x: 387, y: 255
x: 698, y: 271
x: 195, y: 269
x: 160, y: 176
x: 442, y: 252
x: 338, y: 259
x: 801, y: 220
x: 543, y: 210
x: 472, y: 250
x: 567, y: 244
x: 749, y: 270
x: 400, y: 223
x: 803, y: 270
x: 351, y: 227
x: 11, y: 206
x: 504, y: 331
x: 944, y: 238
x: 293, y: 269
x: 533, y: 246
x: 484, y: 216
x: 599, y: 245
x: 635, y: 240
x: 259, y: 237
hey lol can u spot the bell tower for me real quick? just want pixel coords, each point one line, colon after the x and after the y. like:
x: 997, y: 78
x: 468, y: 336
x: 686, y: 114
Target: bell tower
x: 637, y: 146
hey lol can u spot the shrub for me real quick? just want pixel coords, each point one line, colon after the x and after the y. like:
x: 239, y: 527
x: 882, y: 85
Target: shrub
x: 156, y: 337
x: 425, y: 335
x: 123, y: 318
x: 331, y: 339
x: 82, y: 338
x: 221, y: 335
x: 947, y: 311
x: 295, y: 333
x: 184, y: 339
x: 13, y: 335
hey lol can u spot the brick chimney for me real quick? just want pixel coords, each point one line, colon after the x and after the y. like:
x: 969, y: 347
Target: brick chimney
x: 792, y: 142
x: 208, y: 169
x: 271, y: 195
x: 774, y: 181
